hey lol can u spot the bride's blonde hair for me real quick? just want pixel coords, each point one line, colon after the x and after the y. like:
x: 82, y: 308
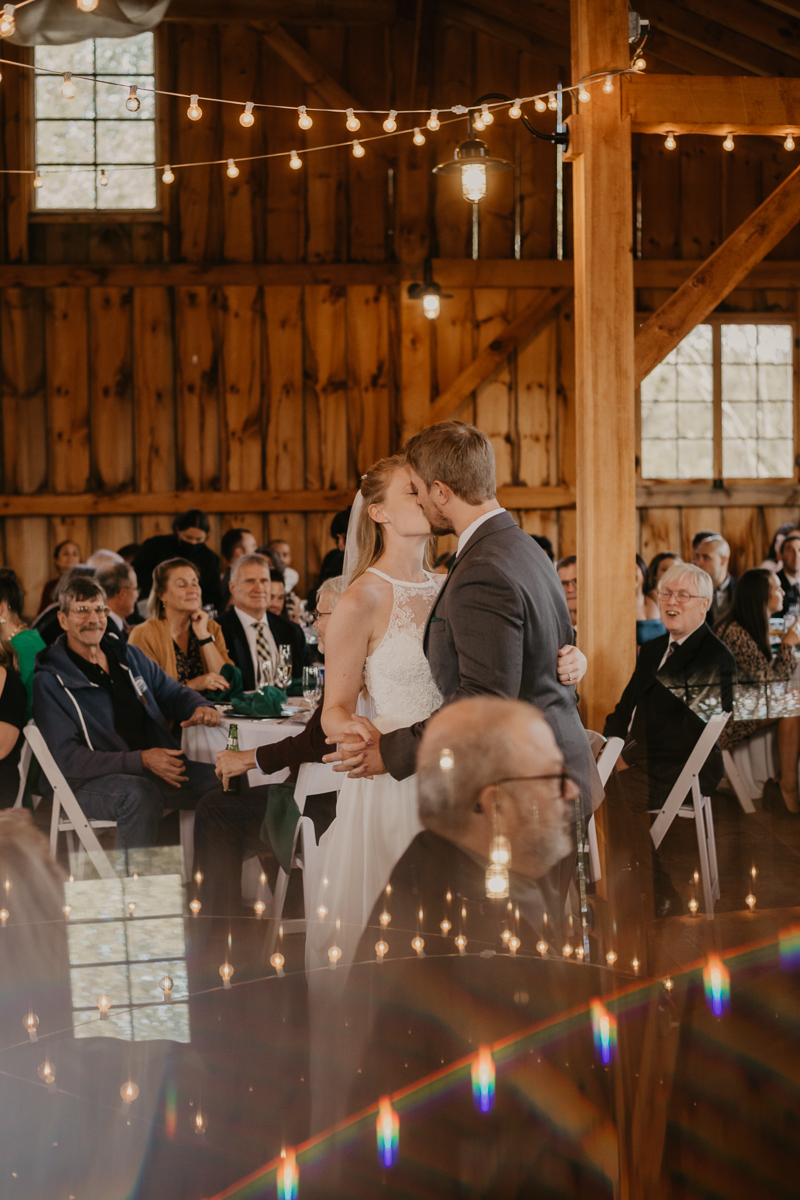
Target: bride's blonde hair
x: 370, y: 539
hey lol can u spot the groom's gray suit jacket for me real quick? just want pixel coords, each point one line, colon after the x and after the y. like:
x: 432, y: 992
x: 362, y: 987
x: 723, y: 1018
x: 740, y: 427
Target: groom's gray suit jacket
x: 496, y: 629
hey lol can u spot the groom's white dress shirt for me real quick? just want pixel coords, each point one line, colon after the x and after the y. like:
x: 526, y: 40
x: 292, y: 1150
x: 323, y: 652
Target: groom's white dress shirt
x: 251, y: 625
x: 476, y: 524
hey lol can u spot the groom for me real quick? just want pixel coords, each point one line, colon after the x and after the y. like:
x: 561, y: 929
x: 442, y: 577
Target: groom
x: 500, y: 619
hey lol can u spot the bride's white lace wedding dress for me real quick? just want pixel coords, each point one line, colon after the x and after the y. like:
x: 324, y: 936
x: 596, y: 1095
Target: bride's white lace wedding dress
x: 376, y: 820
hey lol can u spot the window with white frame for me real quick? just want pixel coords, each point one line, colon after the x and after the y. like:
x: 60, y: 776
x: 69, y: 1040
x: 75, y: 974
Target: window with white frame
x: 721, y: 405
x: 91, y: 150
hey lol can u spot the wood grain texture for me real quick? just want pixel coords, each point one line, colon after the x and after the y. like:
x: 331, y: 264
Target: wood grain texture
x: 154, y: 390
x: 285, y: 468
x: 22, y: 339
x: 240, y: 388
x: 197, y: 388
x: 67, y: 389
x: 111, y: 388
x: 370, y: 386
x: 495, y: 393
x: 325, y: 374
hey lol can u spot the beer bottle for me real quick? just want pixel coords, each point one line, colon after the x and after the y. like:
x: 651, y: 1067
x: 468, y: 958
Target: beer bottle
x: 234, y: 781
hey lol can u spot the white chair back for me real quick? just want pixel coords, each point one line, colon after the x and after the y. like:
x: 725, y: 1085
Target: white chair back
x: 683, y: 785
x: 25, y: 756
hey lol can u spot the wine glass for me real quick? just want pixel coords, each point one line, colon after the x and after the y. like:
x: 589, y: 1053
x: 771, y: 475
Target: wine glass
x: 267, y: 673
x: 312, y: 685
x: 283, y: 676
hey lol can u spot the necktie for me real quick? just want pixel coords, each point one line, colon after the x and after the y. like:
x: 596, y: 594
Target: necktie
x: 262, y: 645
x: 673, y: 646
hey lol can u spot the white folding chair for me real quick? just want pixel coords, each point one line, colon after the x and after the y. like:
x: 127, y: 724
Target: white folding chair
x: 739, y: 786
x: 306, y: 857
x: 25, y: 756
x: 607, y: 753
x: 689, y: 781
x: 75, y: 822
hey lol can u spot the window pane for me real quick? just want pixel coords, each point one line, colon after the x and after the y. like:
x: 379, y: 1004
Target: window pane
x: 774, y: 343
x: 66, y: 189
x: 695, y: 459
x: 739, y: 420
x: 661, y: 384
x: 774, y: 382
x: 695, y: 421
x: 739, y: 382
x: 119, y: 142
x: 50, y: 102
x: 111, y: 100
x: 775, y: 421
x: 79, y: 57
x: 125, y: 56
x: 65, y: 142
x: 128, y: 189
x: 757, y: 394
x: 659, y: 420
x: 775, y: 458
x: 696, y: 347
x: 695, y: 381
x: 678, y: 413
x: 739, y: 343
x: 659, y: 459
x: 739, y: 458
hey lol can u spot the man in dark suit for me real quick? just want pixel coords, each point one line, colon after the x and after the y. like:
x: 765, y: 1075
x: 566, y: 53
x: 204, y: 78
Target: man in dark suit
x: 712, y: 555
x: 121, y: 587
x: 681, y: 679
x: 789, y: 574
x: 252, y: 633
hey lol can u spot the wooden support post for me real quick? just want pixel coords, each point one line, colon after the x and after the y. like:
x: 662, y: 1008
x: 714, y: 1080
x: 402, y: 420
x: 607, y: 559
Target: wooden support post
x: 604, y: 300
x: 718, y: 275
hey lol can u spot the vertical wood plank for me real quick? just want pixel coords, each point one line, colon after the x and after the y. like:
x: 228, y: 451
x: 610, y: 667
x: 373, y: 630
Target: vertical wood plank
x: 154, y: 389
x: 660, y: 531
x: 743, y: 529
x: 16, y: 153
x: 537, y: 404
x: 455, y: 80
x: 566, y: 393
x: 701, y: 187
x: 242, y: 78
x: 695, y: 519
x: 368, y: 373
x: 328, y: 464
x: 455, y: 336
x: 241, y: 387
x: 368, y: 176
x: 567, y: 535
x: 497, y: 70
x: 111, y: 388
x: 325, y: 172
x: 415, y: 367
x: 285, y: 232
x: 495, y: 407
x: 285, y: 463
x: 197, y: 388
x: 537, y: 164
x: 199, y: 191
x: 29, y: 552
x: 22, y: 326
x: 111, y: 532
x: 67, y: 389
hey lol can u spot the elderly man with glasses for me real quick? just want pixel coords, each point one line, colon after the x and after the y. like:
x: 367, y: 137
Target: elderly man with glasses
x: 681, y: 679
x: 102, y: 707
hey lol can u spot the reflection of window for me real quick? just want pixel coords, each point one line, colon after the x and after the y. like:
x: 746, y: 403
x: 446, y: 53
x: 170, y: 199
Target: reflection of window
x: 84, y: 140
x: 721, y: 405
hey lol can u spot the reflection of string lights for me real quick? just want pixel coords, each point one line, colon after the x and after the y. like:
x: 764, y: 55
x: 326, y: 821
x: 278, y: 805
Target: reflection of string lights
x: 604, y: 1030
x: 277, y: 962
x: 104, y: 1004
x: 226, y: 971
x: 31, y: 1023
x: 381, y: 949
x: 717, y: 984
x: 288, y: 1177
x: 166, y: 986
x: 129, y: 1091
x: 483, y: 1080
x: 388, y: 1130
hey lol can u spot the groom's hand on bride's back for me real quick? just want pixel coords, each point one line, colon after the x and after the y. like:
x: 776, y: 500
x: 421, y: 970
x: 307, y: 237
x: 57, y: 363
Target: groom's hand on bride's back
x: 358, y: 750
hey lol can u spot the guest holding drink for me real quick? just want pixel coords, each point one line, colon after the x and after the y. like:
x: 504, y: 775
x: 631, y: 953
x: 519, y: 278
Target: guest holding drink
x: 178, y: 634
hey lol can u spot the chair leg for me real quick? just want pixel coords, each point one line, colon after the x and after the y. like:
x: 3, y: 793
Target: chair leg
x: 56, y: 817
x: 186, y: 823
x: 278, y: 899
x: 712, y: 848
x: 702, y: 848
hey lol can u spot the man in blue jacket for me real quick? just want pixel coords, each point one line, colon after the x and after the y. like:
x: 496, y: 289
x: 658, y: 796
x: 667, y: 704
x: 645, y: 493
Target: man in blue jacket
x: 102, y: 708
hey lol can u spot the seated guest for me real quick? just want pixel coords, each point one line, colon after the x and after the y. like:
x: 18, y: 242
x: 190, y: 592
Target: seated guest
x: 251, y: 628
x: 333, y: 562
x: 277, y: 594
x: 179, y: 634
x: 659, y: 567
x: 281, y: 548
x: 13, y: 715
x: 789, y: 574
x: 713, y: 555
x: 234, y: 543
x: 546, y: 545
x: 745, y: 630
x: 229, y: 824
x: 688, y: 667
x: 26, y: 642
x: 103, y: 707
x: 773, y: 560
x: 700, y: 537
x: 128, y: 553
x: 567, y: 570
x: 121, y: 587
x: 104, y: 558
x: 188, y: 540
x: 648, y: 622
x: 66, y: 554
x: 46, y: 623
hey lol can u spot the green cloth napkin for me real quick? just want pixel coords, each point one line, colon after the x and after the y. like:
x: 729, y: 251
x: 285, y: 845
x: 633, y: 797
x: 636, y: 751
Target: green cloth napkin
x: 280, y: 822
x: 268, y: 702
x: 236, y: 686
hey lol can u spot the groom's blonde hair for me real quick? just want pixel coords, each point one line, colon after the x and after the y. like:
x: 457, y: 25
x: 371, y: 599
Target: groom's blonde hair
x: 458, y: 455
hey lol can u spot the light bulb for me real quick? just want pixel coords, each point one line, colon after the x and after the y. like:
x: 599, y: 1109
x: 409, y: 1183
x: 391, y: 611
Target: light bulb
x: 7, y: 21
x: 478, y: 122
x: 194, y: 112
x: 263, y: 878
x: 514, y: 944
x: 131, y: 907
x: 640, y: 64
x: 87, y: 5
x: 446, y: 763
x: 295, y: 161
x: 728, y: 143
x: 303, y: 119
x: 166, y: 985
x: 696, y: 878
x: 104, y: 1004
x: 277, y: 962
x: 226, y: 971
x: 195, y: 906
x: 552, y: 103
x: 500, y: 850
x: 486, y: 116
x: 579, y: 952
x: 68, y: 89
x: 539, y: 104
x: 611, y: 957
x: 390, y: 124
x: 31, y: 1023
x: 566, y: 949
x: 669, y: 985
x: 608, y: 86
x: 541, y: 946
x: 322, y: 912
x: 246, y: 119
x: 445, y: 926
x: 103, y: 183
x: 497, y: 884
x: 789, y: 143
x: 129, y: 1091
x: 67, y: 909
x: 4, y: 915
x: 198, y: 875
x: 505, y: 935
x: 433, y: 122
x: 37, y: 180
x: 750, y: 901
x: 473, y: 182
x: 381, y: 949
x: 418, y: 944
x: 259, y: 907
x: 461, y: 942
x: 353, y: 123
x: 635, y: 965
x: 693, y: 906
x: 133, y: 103
x: 583, y: 95
x: 419, y: 137
x: 515, y: 112
x: 334, y: 954
x: 47, y: 1072
x: 753, y: 872
x: 358, y: 149
x: 199, y: 1122
x: 232, y: 170
x: 168, y: 177
x: 385, y: 918
x: 669, y: 142
x: 431, y: 305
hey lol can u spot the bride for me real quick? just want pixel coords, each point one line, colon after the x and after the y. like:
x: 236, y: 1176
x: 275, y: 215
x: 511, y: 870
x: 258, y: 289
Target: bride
x: 374, y: 645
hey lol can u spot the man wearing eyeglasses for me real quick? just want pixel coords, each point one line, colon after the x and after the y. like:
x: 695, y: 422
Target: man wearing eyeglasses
x: 102, y: 707
x: 681, y: 678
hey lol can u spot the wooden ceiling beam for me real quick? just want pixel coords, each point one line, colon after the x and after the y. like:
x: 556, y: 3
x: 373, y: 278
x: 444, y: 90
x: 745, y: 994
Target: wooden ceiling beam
x: 779, y: 33
x: 532, y: 318
x: 712, y: 104
x: 297, y: 12
x: 718, y: 276
x: 689, y: 59
x: 718, y: 39
x: 790, y: 7
x: 523, y: 39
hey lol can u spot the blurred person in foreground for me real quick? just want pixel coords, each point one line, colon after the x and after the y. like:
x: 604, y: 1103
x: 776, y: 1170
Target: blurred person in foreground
x: 188, y: 540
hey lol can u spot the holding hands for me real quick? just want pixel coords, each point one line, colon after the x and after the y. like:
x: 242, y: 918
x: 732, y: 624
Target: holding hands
x: 571, y: 665
x: 358, y: 752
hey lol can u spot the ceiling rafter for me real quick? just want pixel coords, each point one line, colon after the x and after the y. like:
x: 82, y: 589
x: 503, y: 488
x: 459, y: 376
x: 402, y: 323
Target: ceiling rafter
x: 762, y: 26
x: 718, y: 39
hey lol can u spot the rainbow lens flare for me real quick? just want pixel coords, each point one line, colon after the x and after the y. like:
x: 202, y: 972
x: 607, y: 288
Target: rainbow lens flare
x: 789, y: 947
x: 604, y: 1030
x: 717, y: 984
x: 171, y: 1109
x: 287, y: 1176
x: 388, y: 1130
x: 483, y: 1080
